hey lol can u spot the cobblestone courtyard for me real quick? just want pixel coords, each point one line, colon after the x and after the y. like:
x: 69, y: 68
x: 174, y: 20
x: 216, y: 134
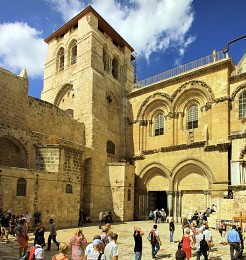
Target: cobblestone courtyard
x: 9, y: 251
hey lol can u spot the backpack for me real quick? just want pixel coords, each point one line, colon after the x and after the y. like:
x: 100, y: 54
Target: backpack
x: 204, y: 245
x: 151, y: 236
x: 29, y: 255
x: 18, y: 230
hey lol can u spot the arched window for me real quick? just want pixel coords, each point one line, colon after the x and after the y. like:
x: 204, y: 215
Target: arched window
x: 115, y: 65
x: 69, y: 188
x: 110, y: 147
x: 61, y: 59
x: 192, y: 119
x: 159, y: 124
x: 73, y: 52
x: 105, y: 59
x: 21, y: 187
x: 129, y: 195
x: 242, y: 105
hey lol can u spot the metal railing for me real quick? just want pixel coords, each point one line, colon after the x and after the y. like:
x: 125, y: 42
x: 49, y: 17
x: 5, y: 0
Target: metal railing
x: 215, y: 56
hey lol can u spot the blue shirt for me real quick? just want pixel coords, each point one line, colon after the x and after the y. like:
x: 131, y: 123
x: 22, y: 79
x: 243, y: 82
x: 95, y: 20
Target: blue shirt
x: 233, y: 236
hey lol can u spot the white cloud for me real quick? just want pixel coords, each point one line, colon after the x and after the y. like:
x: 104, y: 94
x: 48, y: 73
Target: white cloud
x: 148, y: 28
x: 22, y: 47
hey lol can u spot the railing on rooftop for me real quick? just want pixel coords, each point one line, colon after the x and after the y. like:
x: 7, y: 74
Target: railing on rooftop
x: 215, y: 56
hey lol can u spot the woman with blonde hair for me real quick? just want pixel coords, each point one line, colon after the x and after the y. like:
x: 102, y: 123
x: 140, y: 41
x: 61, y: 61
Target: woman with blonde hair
x: 77, y: 242
x: 63, y: 250
x: 187, y: 242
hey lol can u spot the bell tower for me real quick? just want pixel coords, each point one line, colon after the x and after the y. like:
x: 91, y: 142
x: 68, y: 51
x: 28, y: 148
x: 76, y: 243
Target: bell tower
x: 88, y: 73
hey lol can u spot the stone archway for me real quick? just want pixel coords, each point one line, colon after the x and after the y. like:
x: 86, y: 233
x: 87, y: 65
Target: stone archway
x: 12, y: 152
x: 192, y: 181
x: 151, y: 188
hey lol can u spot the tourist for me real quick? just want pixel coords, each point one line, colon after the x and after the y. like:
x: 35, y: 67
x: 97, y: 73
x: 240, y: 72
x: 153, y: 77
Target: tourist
x: 39, y: 232
x: 104, y: 236
x: 223, y: 233
x: 187, y: 242
x: 200, y: 250
x: 151, y: 216
x: 5, y: 224
x: 37, y: 217
x: 77, y: 242
x: 190, y: 217
x: 155, y: 241
x: 89, y: 248
x: 96, y: 253
x: 111, y: 249
x: 110, y: 217
x: 63, y: 251
x: 28, y: 218
x: 101, y: 219
x: 22, y: 236
x: 171, y: 229
x: 39, y: 252
x: 239, y: 230
x: 52, y: 235
x: 233, y: 239
x: 81, y: 217
x: 208, y: 237
x: 180, y: 254
x: 138, y: 247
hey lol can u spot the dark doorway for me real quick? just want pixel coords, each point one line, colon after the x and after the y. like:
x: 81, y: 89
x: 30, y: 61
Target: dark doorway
x: 157, y: 200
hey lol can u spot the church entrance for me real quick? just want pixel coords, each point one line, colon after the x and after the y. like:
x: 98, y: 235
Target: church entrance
x: 157, y: 200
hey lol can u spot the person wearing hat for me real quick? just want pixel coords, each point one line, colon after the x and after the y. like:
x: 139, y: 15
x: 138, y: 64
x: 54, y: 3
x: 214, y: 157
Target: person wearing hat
x: 97, y: 251
x: 89, y: 247
x: 104, y: 235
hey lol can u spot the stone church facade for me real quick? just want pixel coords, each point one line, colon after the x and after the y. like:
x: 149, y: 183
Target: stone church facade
x: 97, y: 140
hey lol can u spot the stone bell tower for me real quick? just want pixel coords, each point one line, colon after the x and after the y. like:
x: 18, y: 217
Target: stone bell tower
x: 88, y: 73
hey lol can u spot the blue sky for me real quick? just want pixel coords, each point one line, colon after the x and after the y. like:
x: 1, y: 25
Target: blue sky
x: 164, y: 33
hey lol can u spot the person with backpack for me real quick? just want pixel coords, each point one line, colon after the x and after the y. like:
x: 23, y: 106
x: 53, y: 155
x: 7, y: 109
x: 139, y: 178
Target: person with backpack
x: 155, y: 241
x: 22, y: 236
x: 201, y: 245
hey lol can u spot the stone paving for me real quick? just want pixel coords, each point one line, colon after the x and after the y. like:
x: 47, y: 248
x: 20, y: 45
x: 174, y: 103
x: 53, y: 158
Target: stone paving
x: 9, y: 251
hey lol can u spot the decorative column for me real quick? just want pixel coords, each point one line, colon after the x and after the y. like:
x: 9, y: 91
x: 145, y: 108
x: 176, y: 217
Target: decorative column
x: 180, y: 207
x: 170, y: 203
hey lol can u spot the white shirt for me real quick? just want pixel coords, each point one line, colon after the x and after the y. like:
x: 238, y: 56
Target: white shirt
x: 89, y: 249
x: 111, y: 249
x: 207, y: 234
x: 39, y: 252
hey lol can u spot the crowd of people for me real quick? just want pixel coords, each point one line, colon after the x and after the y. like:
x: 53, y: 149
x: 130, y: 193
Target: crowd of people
x: 103, y: 246
x: 196, y: 236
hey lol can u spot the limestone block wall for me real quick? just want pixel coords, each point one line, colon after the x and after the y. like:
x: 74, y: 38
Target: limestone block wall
x: 45, y: 192
x: 13, y: 93
x: 46, y: 118
x: 121, y: 181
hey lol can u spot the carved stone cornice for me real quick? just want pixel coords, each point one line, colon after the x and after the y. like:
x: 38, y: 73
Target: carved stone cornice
x: 238, y: 89
x: 174, y: 148
x: 221, y: 182
x: 222, y: 99
x: 240, y: 187
x: 138, y: 157
x: 238, y: 135
x: 217, y: 147
x: 206, y: 107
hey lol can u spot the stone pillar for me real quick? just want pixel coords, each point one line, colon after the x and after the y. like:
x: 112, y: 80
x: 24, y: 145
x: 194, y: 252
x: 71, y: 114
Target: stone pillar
x: 206, y: 198
x: 180, y: 207
x: 170, y: 203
